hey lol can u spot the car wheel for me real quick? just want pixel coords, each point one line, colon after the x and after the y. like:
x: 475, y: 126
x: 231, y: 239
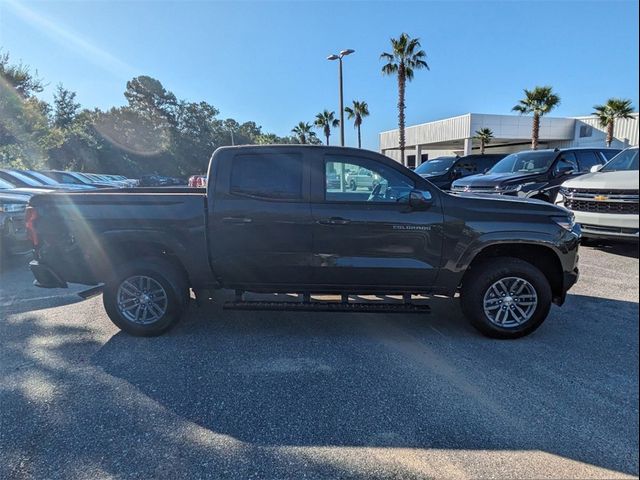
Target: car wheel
x: 506, y: 297
x: 145, y: 297
x: 352, y: 185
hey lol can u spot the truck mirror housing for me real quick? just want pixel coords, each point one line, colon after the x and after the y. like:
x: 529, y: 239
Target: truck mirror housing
x: 420, y: 199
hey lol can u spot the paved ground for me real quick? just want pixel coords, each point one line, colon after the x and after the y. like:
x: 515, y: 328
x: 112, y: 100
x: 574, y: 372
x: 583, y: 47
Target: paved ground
x: 285, y: 395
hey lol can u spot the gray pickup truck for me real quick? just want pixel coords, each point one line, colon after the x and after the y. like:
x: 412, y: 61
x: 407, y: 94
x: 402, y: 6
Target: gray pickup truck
x: 269, y: 221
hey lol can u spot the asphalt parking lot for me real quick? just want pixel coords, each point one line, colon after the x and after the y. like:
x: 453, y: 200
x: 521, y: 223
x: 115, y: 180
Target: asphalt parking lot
x: 321, y: 395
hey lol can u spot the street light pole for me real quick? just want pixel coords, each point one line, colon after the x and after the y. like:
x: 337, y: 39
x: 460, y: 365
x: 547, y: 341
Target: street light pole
x: 341, y: 107
x: 339, y: 57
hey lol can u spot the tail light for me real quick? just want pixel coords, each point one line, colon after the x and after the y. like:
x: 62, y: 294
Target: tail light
x: 31, y: 216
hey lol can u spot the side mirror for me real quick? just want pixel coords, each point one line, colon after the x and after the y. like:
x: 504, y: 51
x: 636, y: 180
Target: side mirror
x: 565, y: 170
x: 596, y: 168
x: 420, y: 200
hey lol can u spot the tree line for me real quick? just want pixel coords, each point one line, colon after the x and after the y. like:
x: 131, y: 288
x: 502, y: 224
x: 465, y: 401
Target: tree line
x: 154, y: 132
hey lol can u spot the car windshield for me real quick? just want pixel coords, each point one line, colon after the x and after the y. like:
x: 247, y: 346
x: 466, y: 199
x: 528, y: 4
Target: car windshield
x: 6, y: 185
x: 41, y: 178
x: 525, y: 162
x: 437, y: 166
x: 626, y: 160
x: 25, y: 179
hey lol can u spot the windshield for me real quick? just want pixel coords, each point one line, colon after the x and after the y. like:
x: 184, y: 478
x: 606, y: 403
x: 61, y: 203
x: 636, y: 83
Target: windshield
x: 437, y: 166
x: 626, y: 160
x: 25, y: 179
x: 41, y: 178
x: 6, y: 185
x: 525, y: 162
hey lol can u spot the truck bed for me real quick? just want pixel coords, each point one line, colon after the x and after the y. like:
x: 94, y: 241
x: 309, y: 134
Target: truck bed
x: 83, y: 234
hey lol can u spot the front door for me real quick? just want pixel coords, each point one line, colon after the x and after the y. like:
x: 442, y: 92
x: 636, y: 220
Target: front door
x: 371, y: 239
x: 260, y: 220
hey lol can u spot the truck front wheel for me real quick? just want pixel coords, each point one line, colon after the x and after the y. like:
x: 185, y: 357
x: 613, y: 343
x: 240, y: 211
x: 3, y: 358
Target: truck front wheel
x: 506, y: 297
x: 145, y: 297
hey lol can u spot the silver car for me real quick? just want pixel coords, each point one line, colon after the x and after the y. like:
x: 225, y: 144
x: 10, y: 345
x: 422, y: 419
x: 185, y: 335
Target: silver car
x: 605, y: 201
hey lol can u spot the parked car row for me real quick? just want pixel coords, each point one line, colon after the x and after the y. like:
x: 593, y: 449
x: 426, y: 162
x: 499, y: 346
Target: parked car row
x: 18, y: 186
x: 600, y: 185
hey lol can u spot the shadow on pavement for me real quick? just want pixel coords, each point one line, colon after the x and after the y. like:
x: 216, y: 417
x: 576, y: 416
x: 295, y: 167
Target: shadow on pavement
x: 274, y: 379
x: 623, y: 249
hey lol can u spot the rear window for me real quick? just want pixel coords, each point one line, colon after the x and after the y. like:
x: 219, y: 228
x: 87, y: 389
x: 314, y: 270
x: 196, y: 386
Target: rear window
x: 275, y: 176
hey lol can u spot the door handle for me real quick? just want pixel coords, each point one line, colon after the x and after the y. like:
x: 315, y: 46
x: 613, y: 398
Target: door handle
x: 237, y: 220
x: 334, y: 221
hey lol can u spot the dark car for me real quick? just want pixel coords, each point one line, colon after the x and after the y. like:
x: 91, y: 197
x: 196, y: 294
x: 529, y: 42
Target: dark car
x: 48, y: 181
x: 75, y: 178
x: 155, y: 180
x: 20, y: 180
x: 267, y: 222
x: 443, y: 171
x: 13, y: 237
x: 535, y: 173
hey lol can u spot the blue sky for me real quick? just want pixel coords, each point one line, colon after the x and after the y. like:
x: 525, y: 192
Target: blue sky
x: 266, y: 61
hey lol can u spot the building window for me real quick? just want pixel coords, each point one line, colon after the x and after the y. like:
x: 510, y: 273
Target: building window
x: 411, y: 161
x: 424, y: 157
x: 586, y: 131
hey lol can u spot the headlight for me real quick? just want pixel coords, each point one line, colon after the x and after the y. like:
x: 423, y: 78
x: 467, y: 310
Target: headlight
x: 509, y: 188
x: 567, y: 222
x: 12, y: 207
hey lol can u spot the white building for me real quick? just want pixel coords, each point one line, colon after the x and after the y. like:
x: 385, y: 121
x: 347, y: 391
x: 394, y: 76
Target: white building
x: 512, y: 133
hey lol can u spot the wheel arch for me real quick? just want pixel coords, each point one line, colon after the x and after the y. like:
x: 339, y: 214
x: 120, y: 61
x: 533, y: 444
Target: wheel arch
x: 541, y: 256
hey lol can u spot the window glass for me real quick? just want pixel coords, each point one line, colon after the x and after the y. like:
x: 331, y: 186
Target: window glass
x: 277, y: 176
x: 369, y: 181
x: 627, y: 160
x: 6, y: 185
x: 587, y: 159
x: 525, y: 162
x: 586, y: 131
x: 467, y: 166
x: 437, y: 166
x: 67, y: 178
x: 609, y: 154
x: 25, y: 179
x: 566, y: 159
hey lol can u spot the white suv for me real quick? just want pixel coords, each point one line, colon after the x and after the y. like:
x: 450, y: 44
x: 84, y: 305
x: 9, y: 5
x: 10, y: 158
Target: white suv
x: 605, y: 201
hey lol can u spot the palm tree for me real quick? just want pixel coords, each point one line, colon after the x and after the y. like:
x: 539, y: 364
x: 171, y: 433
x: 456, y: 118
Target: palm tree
x: 539, y: 101
x: 608, y: 113
x: 326, y: 120
x: 303, y: 132
x: 484, y: 135
x: 403, y: 60
x: 357, y: 112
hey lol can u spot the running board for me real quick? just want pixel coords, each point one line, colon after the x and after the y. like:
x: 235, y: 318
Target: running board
x: 318, y: 306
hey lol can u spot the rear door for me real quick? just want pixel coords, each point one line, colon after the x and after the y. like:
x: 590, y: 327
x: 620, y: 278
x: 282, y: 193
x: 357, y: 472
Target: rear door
x: 372, y: 240
x: 260, y: 218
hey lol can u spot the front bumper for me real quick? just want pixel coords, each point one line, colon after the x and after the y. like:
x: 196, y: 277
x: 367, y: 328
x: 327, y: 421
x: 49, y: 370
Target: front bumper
x: 13, y: 234
x: 608, y: 225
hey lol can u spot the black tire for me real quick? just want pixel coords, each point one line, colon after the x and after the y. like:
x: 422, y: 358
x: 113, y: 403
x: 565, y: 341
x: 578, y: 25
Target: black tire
x: 478, y: 282
x: 167, y: 276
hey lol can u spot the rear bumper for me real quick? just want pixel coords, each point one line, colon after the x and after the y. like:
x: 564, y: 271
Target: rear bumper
x: 45, y: 276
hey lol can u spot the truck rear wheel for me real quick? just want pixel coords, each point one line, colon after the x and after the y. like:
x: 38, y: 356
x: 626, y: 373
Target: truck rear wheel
x: 146, y: 297
x: 506, y: 297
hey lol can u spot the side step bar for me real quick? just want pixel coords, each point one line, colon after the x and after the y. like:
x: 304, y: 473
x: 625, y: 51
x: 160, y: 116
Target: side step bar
x: 321, y: 306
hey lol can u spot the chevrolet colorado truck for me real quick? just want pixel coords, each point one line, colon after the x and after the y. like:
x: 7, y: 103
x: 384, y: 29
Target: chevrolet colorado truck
x: 268, y: 221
